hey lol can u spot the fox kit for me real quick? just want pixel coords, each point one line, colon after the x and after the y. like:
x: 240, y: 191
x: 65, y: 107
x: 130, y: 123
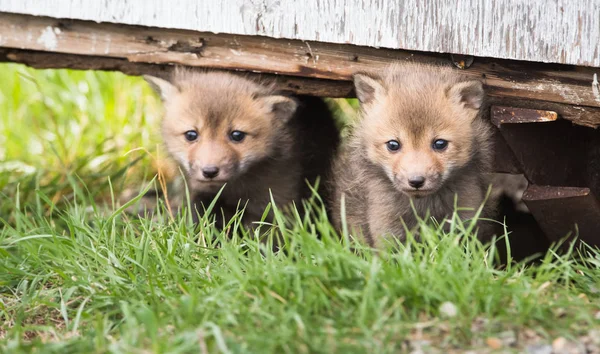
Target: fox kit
x: 223, y: 129
x: 421, y: 137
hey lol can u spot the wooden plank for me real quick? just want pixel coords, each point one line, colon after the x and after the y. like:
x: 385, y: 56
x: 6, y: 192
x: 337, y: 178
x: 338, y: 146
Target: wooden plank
x: 565, y: 210
x: 558, y: 31
x: 581, y: 115
x: 549, y: 83
x: 45, y: 60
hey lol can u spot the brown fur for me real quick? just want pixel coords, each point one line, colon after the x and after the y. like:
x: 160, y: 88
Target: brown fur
x: 415, y: 105
x: 290, y: 140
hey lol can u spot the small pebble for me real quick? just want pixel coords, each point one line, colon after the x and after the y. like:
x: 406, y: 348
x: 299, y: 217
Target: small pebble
x: 419, y: 344
x: 594, y: 336
x: 448, y: 309
x: 539, y: 349
x: 493, y: 343
x: 508, y: 338
x: 560, y: 345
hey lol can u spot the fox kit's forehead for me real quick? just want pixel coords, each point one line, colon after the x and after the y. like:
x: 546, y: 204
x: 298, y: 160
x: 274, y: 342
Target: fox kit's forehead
x: 210, y: 111
x: 415, y: 104
x: 415, y: 118
x: 216, y: 102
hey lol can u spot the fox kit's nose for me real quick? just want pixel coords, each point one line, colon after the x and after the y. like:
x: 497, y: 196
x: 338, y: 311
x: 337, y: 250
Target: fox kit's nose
x: 416, y: 181
x: 210, y: 171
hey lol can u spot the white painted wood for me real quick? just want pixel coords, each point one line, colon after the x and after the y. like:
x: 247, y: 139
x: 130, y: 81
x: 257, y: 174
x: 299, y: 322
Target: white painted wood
x: 559, y: 31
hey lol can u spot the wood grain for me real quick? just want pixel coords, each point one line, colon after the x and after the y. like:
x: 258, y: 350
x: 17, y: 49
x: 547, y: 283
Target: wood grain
x: 45, y: 60
x: 556, y: 31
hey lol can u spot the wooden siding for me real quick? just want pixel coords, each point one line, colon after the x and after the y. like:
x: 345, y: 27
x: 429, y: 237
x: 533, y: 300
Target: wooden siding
x: 557, y: 31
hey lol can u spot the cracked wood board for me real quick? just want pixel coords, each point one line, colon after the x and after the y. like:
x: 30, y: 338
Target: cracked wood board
x: 557, y: 31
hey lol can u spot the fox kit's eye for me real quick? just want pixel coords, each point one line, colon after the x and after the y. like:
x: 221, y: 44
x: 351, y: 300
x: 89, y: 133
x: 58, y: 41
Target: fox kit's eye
x: 191, y: 135
x: 393, y: 145
x: 237, y: 136
x: 440, y: 144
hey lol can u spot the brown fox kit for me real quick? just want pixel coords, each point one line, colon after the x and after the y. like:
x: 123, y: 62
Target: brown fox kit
x: 223, y: 129
x: 421, y: 137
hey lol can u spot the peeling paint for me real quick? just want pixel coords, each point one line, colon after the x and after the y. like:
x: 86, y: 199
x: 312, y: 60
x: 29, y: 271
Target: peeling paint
x: 48, y: 38
x: 108, y: 41
x: 94, y: 41
x: 559, y: 31
x: 556, y: 87
x: 567, y: 93
x: 596, y: 88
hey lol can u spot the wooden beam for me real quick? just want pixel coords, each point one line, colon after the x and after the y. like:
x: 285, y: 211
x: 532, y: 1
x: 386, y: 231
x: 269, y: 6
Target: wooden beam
x: 47, y: 60
x: 505, y: 79
x: 580, y: 115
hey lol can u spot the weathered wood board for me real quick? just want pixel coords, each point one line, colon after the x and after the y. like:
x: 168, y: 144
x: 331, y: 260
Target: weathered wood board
x: 554, y: 88
x: 556, y: 31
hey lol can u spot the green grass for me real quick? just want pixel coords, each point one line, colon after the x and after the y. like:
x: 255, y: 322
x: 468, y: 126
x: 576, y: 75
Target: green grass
x: 78, y: 274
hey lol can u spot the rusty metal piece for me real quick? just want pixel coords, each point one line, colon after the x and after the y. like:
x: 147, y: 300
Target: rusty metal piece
x: 462, y: 61
x: 562, y: 211
x: 509, y: 115
x: 555, y: 153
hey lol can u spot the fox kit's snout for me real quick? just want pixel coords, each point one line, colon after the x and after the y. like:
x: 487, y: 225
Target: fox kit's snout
x: 225, y: 130
x: 211, y: 162
x: 421, y: 137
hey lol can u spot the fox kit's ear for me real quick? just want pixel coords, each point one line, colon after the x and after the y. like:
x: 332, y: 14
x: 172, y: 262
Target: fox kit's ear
x: 283, y: 107
x: 367, y: 88
x: 164, y: 88
x: 469, y: 94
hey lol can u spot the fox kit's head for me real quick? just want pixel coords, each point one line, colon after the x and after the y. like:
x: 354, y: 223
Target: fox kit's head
x: 418, y: 124
x: 217, y: 126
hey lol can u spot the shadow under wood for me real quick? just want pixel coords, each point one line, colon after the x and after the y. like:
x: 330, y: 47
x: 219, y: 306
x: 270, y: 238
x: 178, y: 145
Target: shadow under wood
x: 526, y: 239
